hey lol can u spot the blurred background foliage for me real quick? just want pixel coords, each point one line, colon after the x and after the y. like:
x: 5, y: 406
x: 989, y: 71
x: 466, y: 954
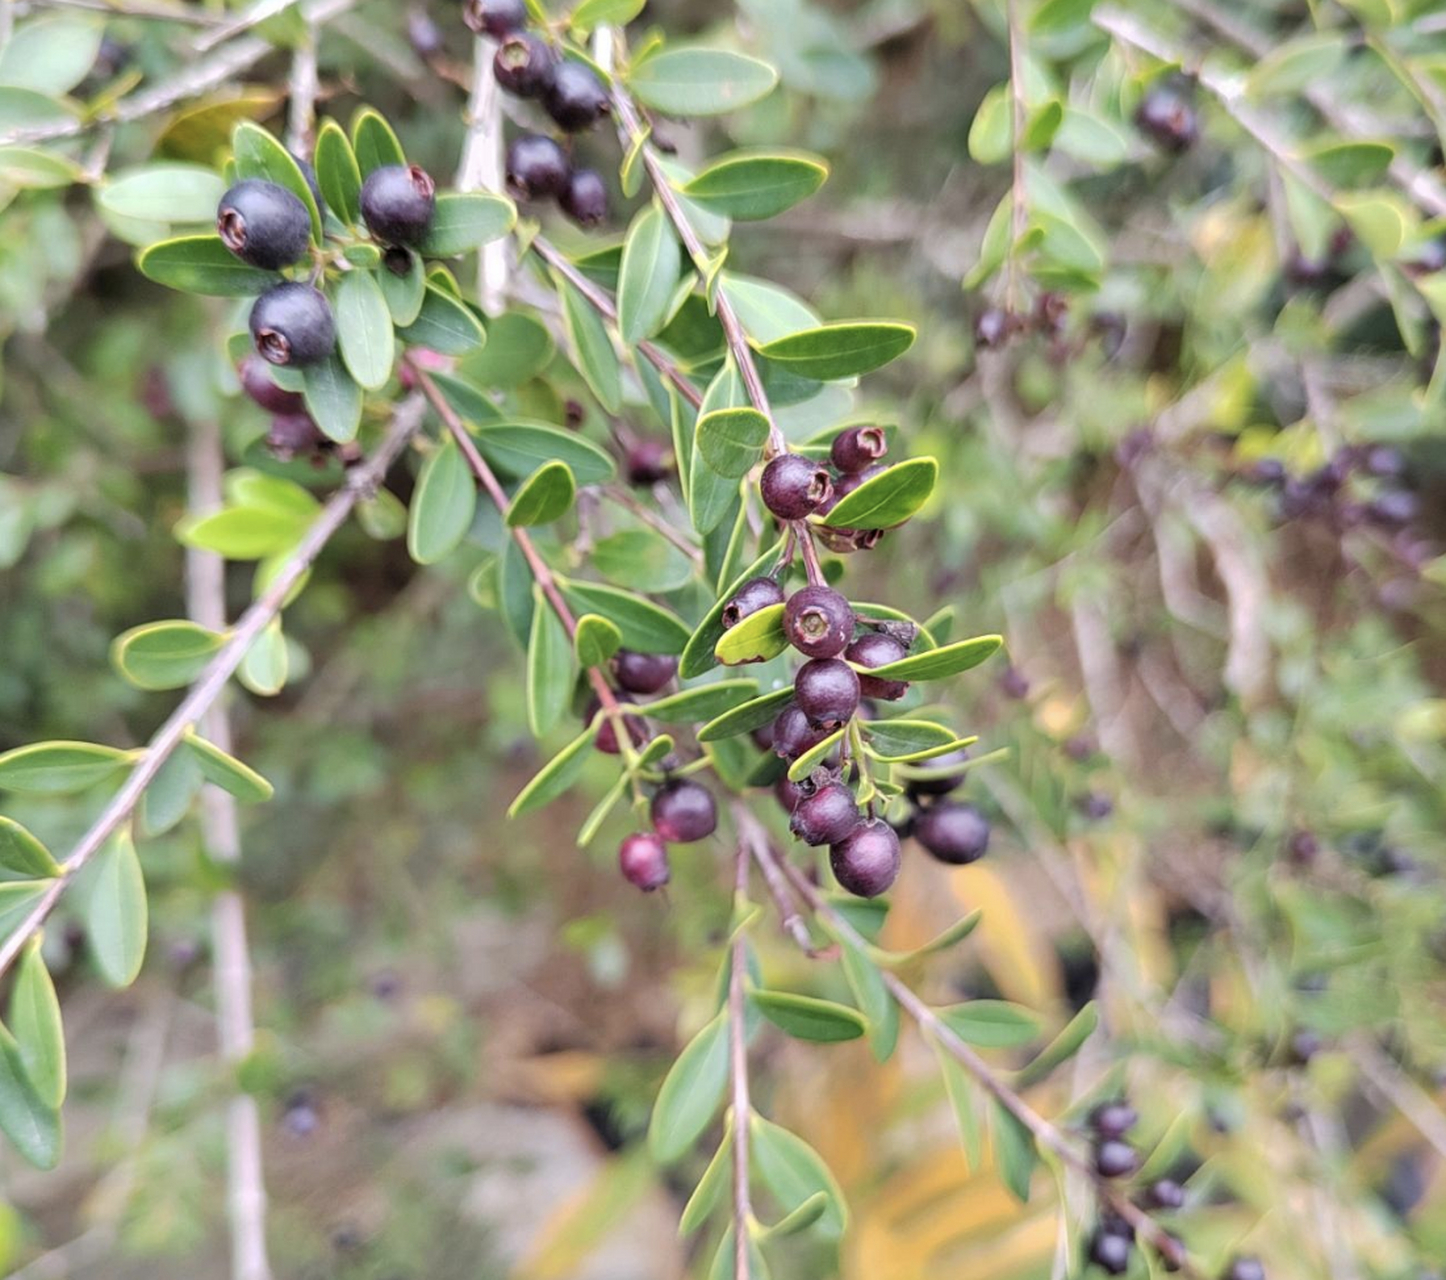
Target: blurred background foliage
x: 1202, y: 501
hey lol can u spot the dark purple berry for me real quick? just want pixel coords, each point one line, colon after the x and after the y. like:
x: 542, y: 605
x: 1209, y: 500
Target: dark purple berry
x: 1167, y: 117
x: 1115, y: 1159
x: 495, y: 18
x: 607, y: 734
x: 292, y: 324
x: 537, y: 168
x: 1385, y: 462
x: 1393, y: 508
x: 866, y: 862
x: 1244, y: 1268
x: 858, y: 447
x: 1113, y: 1119
x: 789, y: 794
x: 827, y: 692
x: 753, y: 595
x: 257, y: 384
x: 648, y: 462
x: 1111, y: 1253
x: 942, y: 783
x: 294, y: 435
x: 643, y: 672
x: 794, y: 486
x: 1095, y: 806
x: 829, y: 815
x: 643, y: 860
x: 1165, y: 1193
x: 793, y: 735
x: 878, y: 649
x: 954, y: 833
x: 263, y: 224
x: 1014, y: 683
x: 585, y: 198
x: 684, y: 811
x: 576, y: 98
x: 844, y: 486
x: 818, y: 622
x: 397, y: 203
x: 524, y: 65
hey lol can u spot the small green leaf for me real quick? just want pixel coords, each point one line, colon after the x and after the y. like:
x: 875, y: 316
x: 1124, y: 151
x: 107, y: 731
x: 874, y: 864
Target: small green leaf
x: 259, y: 155
x: 642, y: 560
x: 164, y: 655
x: 1351, y: 164
x: 1294, y: 64
x: 1015, y: 1156
x: 752, y: 185
x: 518, y: 448
x: 556, y: 776
x: 382, y: 516
x: 939, y: 664
x: 757, y: 638
x: 701, y: 82
x: 172, y: 193
x: 747, y: 717
x: 599, y: 13
x: 444, y: 324
x: 34, y: 1019
x: 550, y: 670
x: 842, y: 350
x: 795, y: 1173
x: 691, y: 1093
x: 872, y: 997
x: 443, y: 506
x: 592, y: 348
x: 31, y: 1126
x: 991, y: 1024
x: 518, y: 348
x: 267, y: 662
x: 809, y: 1018
x: 897, y: 741
x: 17, y: 899
x: 337, y: 173
x: 710, y: 1186
x: 1060, y: 15
x: 227, y: 772
x: 1062, y: 1048
x: 942, y: 941
x: 646, y: 627
x: 243, y: 532
x: 404, y: 293
x: 466, y: 221
x: 22, y: 856
x: 731, y: 440
x: 31, y: 169
x: 364, y: 329
x: 115, y: 910
x: 334, y: 399
x: 648, y: 278
x: 202, y: 264
x: 692, y: 705
x: 546, y: 495
x: 59, y: 768
x: 596, y: 640
x: 887, y: 499
x: 51, y: 53
x: 373, y: 142
x: 168, y: 798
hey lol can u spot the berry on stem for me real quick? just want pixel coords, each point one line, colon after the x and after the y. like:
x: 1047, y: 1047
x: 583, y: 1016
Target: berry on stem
x: 495, y: 18
x: 263, y: 224
x: 858, y: 447
x: 537, y: 168
x: 576, y: 98
x: 257, y: 384
x: 954, y: 833
x: 294, y: 435
x: 607, y: 734
x: 1115, y: 1158
x: 794, y: 487
x: 793, y: 735
x: 942, y: 783
x: 648, y: 462
x: 643, y: 860
x: 684, y: 811
x: 866, y: 862
x: 827, y: 692
x: 828, y: 816
x: 818, y: 621
x: 753, y: 595
x: 1113, y: 1119
x: 1165, y: 1193
x: 878, y: 649
x: 585, y: 198
x: 397, y: 203
x: 1168, y: 118
x: 1111, y: 1253
x: 292, y: 323
x: 643, y: 672
x: 524, y: 65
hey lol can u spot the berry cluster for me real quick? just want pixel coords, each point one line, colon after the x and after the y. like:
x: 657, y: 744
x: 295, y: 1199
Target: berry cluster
x: 571, y: 93
x: 795, y: 487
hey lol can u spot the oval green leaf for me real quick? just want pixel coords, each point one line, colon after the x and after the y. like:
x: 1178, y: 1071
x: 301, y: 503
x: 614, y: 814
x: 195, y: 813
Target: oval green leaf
x: 645, y: 626
x: 337, y: 173
x: 692, y: 705
x: 165, y: 193
x: 691, y: 1093
x: 747, y: 717
x: 443, y: 506
x: 701, y: 82
x: 34, y: 1019
x: 444, y: 324
x: 202, y: 264
x: 518, y: 448
x: 463, y: 222
x: 164, y: 655
x: 888, y: 499
x: 115, y: 910
x: 757, y: 638
x: 546, y: 495
x: 752, y: 185
x: 595, y: 640
x: 227, y: 772
x: 648, y: 278
x: 731, y: 440
x: 259, y: 155
x: 843, y: 350
x: 991, y: 1024
x: 556, y: 776
x: 939, y: 664
x: 59, y: 768
x: 22, y: 856
x: 809, y: 1018
x: 364, y: 329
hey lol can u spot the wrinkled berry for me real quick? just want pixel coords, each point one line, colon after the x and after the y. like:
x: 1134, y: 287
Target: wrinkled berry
x: 878, y: 649
x: 858, y: 447
x: 257, y: 384
x: 643, y: 860
x: 495, y: 18
x: 794, y: 486
x: 954, y: 833
x: 1115, y: 1159
x: 1165, y: 1193
x: 867, y: 861
x: 1111, y: 1253
x: 294, y: 435
x: 829, y: 815
x: 684, y: 811
x: 1166, y: 116
x: 524, y: 65
x: 537, y: 168
x: 292, y: 324
x: 643, y: 672
x: 576, y: 98
x: 1244, y: 1268
x: 263, y: 224
x: 753, y: 595
x: 585, y: 198
x: 397, y: 203
x: 793, y: 735
x: 818, y: 621
x: 827, y: 692
x: 942, y: 783
x: 1113, y: 1119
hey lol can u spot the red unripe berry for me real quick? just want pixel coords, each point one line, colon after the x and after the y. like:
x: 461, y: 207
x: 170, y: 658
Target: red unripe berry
x: 818, y: 621
x: 827, y: 692
x: 878, y: 649
x: 684, y: 811
x: 828, y: 816
x: 643, y: 672
x: 643, y: 860
x: 857, y: 448
x: 753, y: 595
x: 867, y: 861
x: 957, y: 834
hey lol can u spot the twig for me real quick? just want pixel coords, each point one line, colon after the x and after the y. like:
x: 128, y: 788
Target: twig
x: 1019, y: 195
x: 655, y: 522
x: 481, y: 167
x: 738, y: 1069
x: 256, y: 14
x: 221, y: 832
x: 754, y: 836
x: 212, y: 681
x: 301, y: 96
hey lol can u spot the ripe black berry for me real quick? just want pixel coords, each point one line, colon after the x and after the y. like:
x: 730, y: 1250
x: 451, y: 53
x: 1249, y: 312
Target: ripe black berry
x: 753, y: 595
x: 257, y: 384
x: 878, y: 649
x: 954, y: 833
x: 643, y: 672
x: 1111, y: 1253
x: 943, y: 783
x: 829, y: 815
x: 293, y: 435
x: 524, y: 65
x: 648, y: 462
x: 1168, y: 118
x: 537, y: 168
x: 793, y: 735
x: 575, y: 99
x: 1115, y: 1159
x: 684, y: 811
x: 794, y: 486
x: 292, y: 324
x: 643, y: 860
x: 789, y: 794
x: 495, y: 18
x: 1113, y: 1119
x: 1165, y: 1193
x: 827, y: 692
x: 263, y: 224
x: 585, y: 198
x: 818, y: 622
x: 867, y: 861
x: 397, y: 203
x: 1244, y: 1268
x: 858, y: 447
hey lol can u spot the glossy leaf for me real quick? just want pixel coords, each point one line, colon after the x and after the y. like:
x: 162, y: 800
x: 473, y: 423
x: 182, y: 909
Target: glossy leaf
x: 646, y: 627
x: 649, y: 276
x: 404, y: 293
x: 751, y: 185
x: 692, y: 705
x: 746, y: 717
x: 809, y: 1018
x: 334, y: 399
x: 709, y: 1190
x: 466, y: 221
x: 896, y: 741
x: 759, y: 637
x: 373, y: 142
x: 939, y: 664
x: 164, y: 655
x: 556, y: 776
x: 592, y: 348
x: 168, y: 798
x: 51, y: 53
x: 243, y: 532
x: 169, y: 193
x: 444, y: 324
x: 642, y: 560
x: 731, y: 440
x: 596, y: 640
x: 843, y: 350
x: 815, y: 756
x: 991, y: 1024
x: 364, y: 329
x: 550, y: 671
x: 31, y: 169
x: 227, y: 772
x: 259, y: 155
x: 887, y: 499
x: 202, y: 264
x: 59, y: 768
x: 701, y: 82
x: 698, y: 655
x: 267, y: 662
x: 116, y: 910
x: 546, y: 495
x: 34, y: 1020
x: 519, y: 448
x: 22, y: 856
x: 518, y: 348
x: 337, y: 173
x: 443, y: 505
x: 691, y: 1093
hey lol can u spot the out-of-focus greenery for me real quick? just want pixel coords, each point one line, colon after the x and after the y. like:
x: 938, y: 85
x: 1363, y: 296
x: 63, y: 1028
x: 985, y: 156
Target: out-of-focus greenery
x: 1220, y: 813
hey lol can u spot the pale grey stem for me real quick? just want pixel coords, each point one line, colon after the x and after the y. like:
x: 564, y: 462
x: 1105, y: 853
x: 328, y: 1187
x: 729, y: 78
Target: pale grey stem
x: 481, y: 168
x: 301, y: 96
x: 361, y: 481
x: 738, y: 1070
x: 221, y: 832
x: 244, y: 21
